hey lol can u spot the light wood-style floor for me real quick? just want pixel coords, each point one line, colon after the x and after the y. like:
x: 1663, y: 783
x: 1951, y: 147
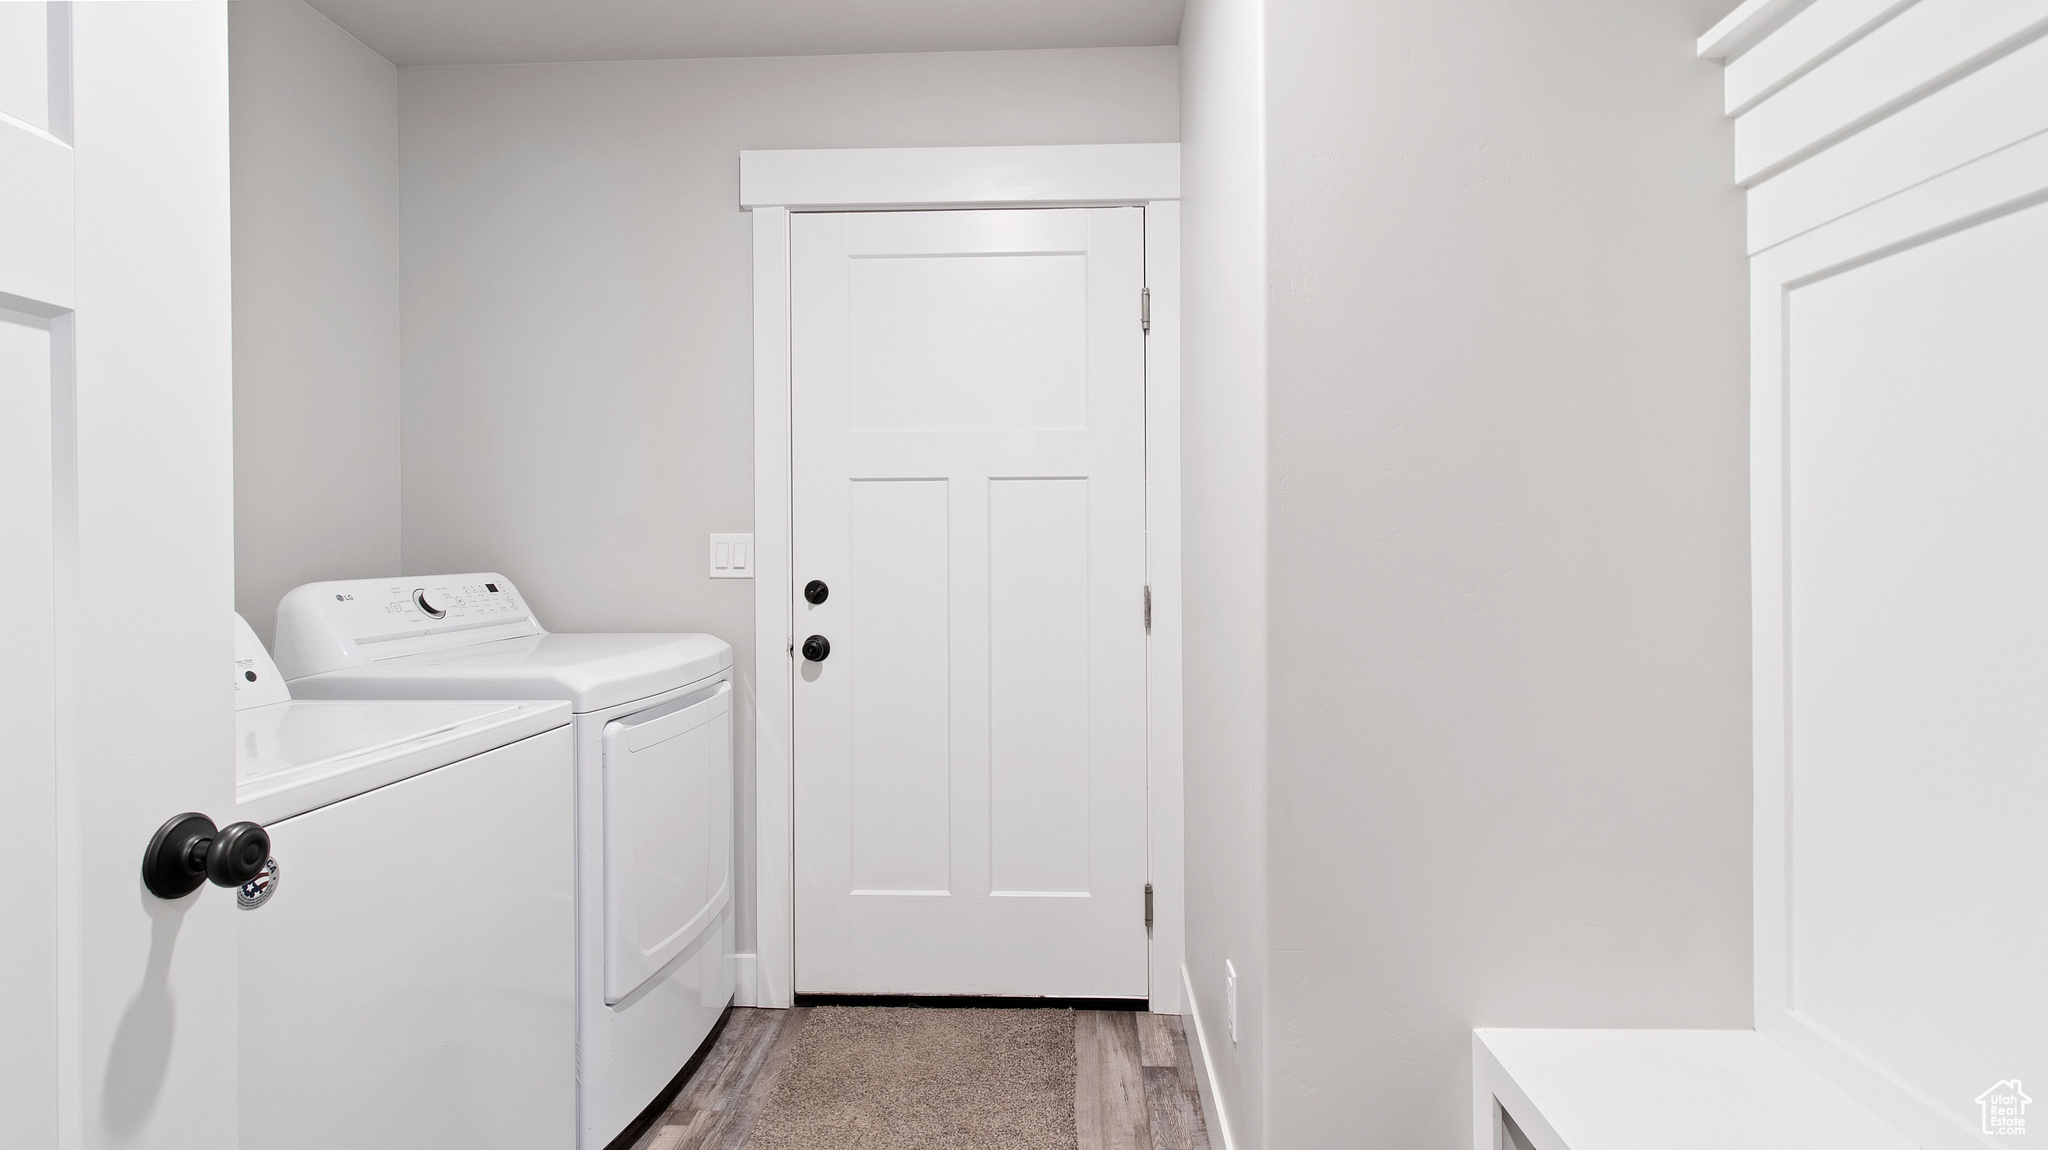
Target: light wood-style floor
x: 1134, y: 1084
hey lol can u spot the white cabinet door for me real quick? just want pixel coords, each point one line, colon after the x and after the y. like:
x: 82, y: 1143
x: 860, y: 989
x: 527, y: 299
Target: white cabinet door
x: 968, y: 484
x: 116, y: 570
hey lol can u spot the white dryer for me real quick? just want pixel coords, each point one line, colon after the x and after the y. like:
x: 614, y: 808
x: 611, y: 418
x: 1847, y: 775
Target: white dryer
x: 654, y: 784
x: 407, y: 955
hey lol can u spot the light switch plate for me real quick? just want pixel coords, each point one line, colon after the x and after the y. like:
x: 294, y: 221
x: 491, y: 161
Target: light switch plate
x: 732, y: 556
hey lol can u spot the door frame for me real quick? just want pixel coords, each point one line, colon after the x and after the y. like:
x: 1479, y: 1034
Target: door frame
x: 774, y: 184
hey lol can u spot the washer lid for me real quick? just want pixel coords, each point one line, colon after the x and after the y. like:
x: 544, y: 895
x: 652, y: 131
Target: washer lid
x: 591, y: 671
x: 294, y: 756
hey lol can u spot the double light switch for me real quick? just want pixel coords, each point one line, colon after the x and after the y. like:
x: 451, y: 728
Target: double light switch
x: 732, y: 556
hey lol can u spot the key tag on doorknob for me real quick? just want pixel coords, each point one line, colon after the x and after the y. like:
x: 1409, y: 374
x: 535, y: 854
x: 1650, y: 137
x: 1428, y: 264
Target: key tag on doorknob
x: 258, y: 890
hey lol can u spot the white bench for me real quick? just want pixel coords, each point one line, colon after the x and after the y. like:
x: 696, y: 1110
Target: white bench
x: 1659, y: 1090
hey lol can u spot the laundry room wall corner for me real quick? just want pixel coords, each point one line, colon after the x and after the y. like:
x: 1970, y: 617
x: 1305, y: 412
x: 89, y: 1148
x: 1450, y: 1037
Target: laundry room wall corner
x: 1224, y: 542
x: 314, y: 163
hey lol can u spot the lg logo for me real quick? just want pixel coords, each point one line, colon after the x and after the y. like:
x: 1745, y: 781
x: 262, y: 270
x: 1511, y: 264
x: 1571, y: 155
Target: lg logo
x: 343, y: 598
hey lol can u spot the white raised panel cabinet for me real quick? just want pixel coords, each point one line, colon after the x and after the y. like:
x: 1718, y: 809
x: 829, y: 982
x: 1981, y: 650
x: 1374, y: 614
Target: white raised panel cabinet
x: 1897, y: 167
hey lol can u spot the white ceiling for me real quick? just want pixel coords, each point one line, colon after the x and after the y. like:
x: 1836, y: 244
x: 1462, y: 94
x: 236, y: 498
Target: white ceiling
x: 528, y: 31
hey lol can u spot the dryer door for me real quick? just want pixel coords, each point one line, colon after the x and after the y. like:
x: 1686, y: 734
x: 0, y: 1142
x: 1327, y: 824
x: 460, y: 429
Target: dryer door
x: 667, y: 833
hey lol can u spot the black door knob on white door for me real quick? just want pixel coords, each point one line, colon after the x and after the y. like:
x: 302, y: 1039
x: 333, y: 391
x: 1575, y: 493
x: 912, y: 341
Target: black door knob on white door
x: 816, y: 648
x: 188, y: 851
x: 815, y: 592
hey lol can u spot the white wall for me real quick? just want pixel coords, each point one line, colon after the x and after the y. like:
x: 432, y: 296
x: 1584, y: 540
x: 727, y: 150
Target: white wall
x: 1466, y: 544
x: 315, y: 169
x: 577, y: 301
x: 1508, y: 545
x: 1223, y: 549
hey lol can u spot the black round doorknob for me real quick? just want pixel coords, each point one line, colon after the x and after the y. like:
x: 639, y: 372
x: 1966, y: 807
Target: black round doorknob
x: 816, y: 648
x: 815, y: 592
x: 237, y: 854
x: 188, y: 850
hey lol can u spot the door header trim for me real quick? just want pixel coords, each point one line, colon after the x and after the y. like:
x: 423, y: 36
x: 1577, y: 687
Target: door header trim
x: 1062, y: 175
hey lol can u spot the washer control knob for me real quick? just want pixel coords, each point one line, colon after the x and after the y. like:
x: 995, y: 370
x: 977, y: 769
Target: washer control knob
x: 419, y: 599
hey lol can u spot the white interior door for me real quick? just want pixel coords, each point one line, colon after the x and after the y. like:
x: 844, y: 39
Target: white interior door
x: 115, y: 570
x: 968, y: 484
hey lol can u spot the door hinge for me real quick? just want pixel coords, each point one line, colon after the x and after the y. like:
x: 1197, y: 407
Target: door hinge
x: 1148, y: 906
x: 1148, y: 608
x: 1145, y: 309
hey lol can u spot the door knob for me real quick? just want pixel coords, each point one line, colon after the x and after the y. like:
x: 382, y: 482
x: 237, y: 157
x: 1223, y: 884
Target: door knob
x: 816, y: 648
x: 189, y: 850
x: 815, y: 592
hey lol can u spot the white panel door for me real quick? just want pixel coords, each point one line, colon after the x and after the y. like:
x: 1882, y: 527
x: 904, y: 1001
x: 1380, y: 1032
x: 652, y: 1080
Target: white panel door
x: 968, y: 485
x: 116, y: 575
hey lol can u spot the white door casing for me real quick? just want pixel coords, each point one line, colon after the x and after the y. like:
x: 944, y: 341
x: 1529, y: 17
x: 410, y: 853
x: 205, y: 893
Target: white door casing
x: 775, y: 187
x: 116, y: 568
x: 968, y: 479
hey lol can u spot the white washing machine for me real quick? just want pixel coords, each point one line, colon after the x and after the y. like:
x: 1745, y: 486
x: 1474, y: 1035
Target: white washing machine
x: 654, y: 783
x: 407, y: 958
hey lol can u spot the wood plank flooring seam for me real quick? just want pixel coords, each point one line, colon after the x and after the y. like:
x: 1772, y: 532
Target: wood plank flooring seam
x: 773, y: 1055
x: 1109, y: 1095
x: 1155, y: 1039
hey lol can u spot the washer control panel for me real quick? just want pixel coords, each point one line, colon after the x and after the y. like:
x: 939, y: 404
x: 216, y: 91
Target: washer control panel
x: 323, y: 626
x: 391, y: 609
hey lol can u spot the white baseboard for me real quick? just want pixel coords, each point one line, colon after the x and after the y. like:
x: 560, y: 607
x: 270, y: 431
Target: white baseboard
x: 1205, y: 1064
x: 746, y: 988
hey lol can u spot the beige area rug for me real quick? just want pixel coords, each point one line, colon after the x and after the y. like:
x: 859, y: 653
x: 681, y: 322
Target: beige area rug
x: 879, y: 1078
